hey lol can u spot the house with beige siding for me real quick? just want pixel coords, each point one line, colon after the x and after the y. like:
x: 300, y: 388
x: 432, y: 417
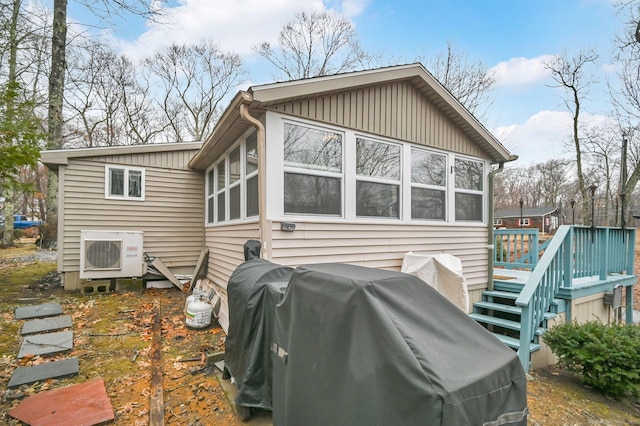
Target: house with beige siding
x: 356, y: 168
x: 145, y: 190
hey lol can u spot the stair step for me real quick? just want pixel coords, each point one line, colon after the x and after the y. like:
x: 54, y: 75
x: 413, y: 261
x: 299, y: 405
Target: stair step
x: 558, y: 306
x: 500, y: 322
x: 515, y: 343
x: 499, y: 307
x: 507, y: 286
x: 501, y: 294
x: 515, y: 310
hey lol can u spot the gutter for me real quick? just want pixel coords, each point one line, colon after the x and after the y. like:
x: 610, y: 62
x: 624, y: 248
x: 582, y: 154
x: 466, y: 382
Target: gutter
x: 264, y: 228
x: 491, y: 242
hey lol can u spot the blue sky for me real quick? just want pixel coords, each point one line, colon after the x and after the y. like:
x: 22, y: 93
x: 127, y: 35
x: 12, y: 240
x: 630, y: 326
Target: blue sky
x: 513, y: 37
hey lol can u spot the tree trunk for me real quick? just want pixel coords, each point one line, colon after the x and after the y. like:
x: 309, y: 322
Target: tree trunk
x: 8, y: 234
x: 56, y: 96
x: 56, y: 76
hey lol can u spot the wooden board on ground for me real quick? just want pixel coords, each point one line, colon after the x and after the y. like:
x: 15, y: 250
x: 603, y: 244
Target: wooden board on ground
x: 162, y: 268
x: 156, y: 404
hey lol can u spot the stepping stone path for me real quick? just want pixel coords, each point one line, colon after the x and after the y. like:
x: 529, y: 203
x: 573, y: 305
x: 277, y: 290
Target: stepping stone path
x: 27, y: 375
x: 38, y: 342
x: 49, y: 324
x: 85, y: 403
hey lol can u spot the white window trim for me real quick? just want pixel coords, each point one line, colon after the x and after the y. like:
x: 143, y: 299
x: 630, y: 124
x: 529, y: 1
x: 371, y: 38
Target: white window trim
x: 497, y: 222
x: 275, y: 177
x: 524, y: 222
x: 311, y: 172
x: 454, y: 190
x: 127, y: 169
x: 448, y: 216
x: 381, y: 180
x: 242, y: 182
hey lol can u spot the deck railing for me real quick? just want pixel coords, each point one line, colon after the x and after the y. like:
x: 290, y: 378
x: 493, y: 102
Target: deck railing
x: 516, y: 248
x: 574, y: 252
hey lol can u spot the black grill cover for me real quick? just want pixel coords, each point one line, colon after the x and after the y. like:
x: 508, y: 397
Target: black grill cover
x: 361, y: 346
x: 254, y: 289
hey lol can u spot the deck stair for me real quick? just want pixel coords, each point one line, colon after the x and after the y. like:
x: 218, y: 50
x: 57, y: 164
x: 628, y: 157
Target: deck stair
x: 498, y: 313
x: 533, y: 282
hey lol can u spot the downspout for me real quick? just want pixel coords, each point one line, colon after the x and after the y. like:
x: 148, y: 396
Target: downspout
x: 263, y: 225
x: 491, y: 242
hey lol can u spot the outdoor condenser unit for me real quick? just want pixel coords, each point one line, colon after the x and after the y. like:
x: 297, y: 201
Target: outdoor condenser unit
x: 111, y: 254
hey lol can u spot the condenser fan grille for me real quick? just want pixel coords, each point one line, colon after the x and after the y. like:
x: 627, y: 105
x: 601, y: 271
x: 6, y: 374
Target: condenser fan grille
x: 103, y: 254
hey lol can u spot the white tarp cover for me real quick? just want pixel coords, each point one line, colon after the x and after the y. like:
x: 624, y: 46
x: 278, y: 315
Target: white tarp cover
x: 442, y: 272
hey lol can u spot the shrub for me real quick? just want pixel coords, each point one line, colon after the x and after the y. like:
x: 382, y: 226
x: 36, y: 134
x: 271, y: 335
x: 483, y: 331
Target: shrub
x: 606, y: 356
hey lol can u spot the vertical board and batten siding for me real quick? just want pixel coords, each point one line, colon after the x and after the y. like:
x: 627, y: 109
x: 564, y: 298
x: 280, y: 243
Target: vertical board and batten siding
x: 226, y: 249
x: 585, y: 309
x: 171, y: 216
x: 395, y: 110
x: 381, y: 245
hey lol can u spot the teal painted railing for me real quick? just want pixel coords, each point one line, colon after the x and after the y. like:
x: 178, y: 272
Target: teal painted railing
x: 516, y: 248
x: 574, y: 252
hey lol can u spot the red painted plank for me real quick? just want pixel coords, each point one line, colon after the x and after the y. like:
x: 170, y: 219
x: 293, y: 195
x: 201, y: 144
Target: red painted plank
x: 84, y: 404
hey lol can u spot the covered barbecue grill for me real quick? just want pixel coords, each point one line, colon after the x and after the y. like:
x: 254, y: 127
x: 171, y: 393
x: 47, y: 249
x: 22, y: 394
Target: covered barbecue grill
x: 355, y: 345
x: 254, y: 289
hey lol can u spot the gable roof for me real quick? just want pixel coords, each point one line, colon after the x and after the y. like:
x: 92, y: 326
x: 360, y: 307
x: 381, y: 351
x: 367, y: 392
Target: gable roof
x: 60, y: 157
x: 531, y: 212
x: 261, y: 97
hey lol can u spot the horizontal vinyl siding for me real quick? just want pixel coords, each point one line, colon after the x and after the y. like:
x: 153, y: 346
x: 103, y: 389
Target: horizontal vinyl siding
x: 395, y: 110
x: 165, y: 160
x: 226, y: 249
x: 381, y: 246
x: 171, y: 216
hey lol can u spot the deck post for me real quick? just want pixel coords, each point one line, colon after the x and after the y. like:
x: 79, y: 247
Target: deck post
x: 629, y: 307
x: 603, y: 252
x: 526, y: 327
x: 569, y: 249
x: 631, y: 249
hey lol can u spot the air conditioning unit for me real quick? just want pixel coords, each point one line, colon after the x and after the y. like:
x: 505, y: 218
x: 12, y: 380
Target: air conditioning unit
x: 111, y: 254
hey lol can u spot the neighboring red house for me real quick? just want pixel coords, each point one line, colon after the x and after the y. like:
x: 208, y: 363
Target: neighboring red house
x: 545, y: 219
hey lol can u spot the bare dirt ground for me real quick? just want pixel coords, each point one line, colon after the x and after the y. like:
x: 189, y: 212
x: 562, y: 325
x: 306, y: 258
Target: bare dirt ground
x: 112, y: 335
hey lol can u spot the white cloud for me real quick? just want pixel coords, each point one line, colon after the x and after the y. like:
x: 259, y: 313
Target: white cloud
x: 235, y: 26
x: 521, y: 71
x: 542, y: 137
x: 352, y: 8
x: 546, y: 135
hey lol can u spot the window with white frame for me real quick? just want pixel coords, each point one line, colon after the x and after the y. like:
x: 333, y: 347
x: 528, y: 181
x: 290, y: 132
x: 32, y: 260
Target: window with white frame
x: 232, y: 183
x: 124, y: 183
x: 342, y: 173
x: 377, y: 179
x: 497, y: 222
x: 468, y: 187
x: 524, y: 222
x: 428, y: 185
x: 313, y: 170
x: 251, y: 174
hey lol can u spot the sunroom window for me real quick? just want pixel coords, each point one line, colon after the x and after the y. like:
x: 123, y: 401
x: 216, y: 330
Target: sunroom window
x: 428, y: 185
x: 124, y: 183
x: 469, y: 175
x: 377, y: 179
x: 312, y: 170
x: 251, y: 174
x: 232, y: 183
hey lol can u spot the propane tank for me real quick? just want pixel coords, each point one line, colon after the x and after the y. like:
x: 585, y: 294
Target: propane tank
x: 193, y: 297
x: 199, y: 313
